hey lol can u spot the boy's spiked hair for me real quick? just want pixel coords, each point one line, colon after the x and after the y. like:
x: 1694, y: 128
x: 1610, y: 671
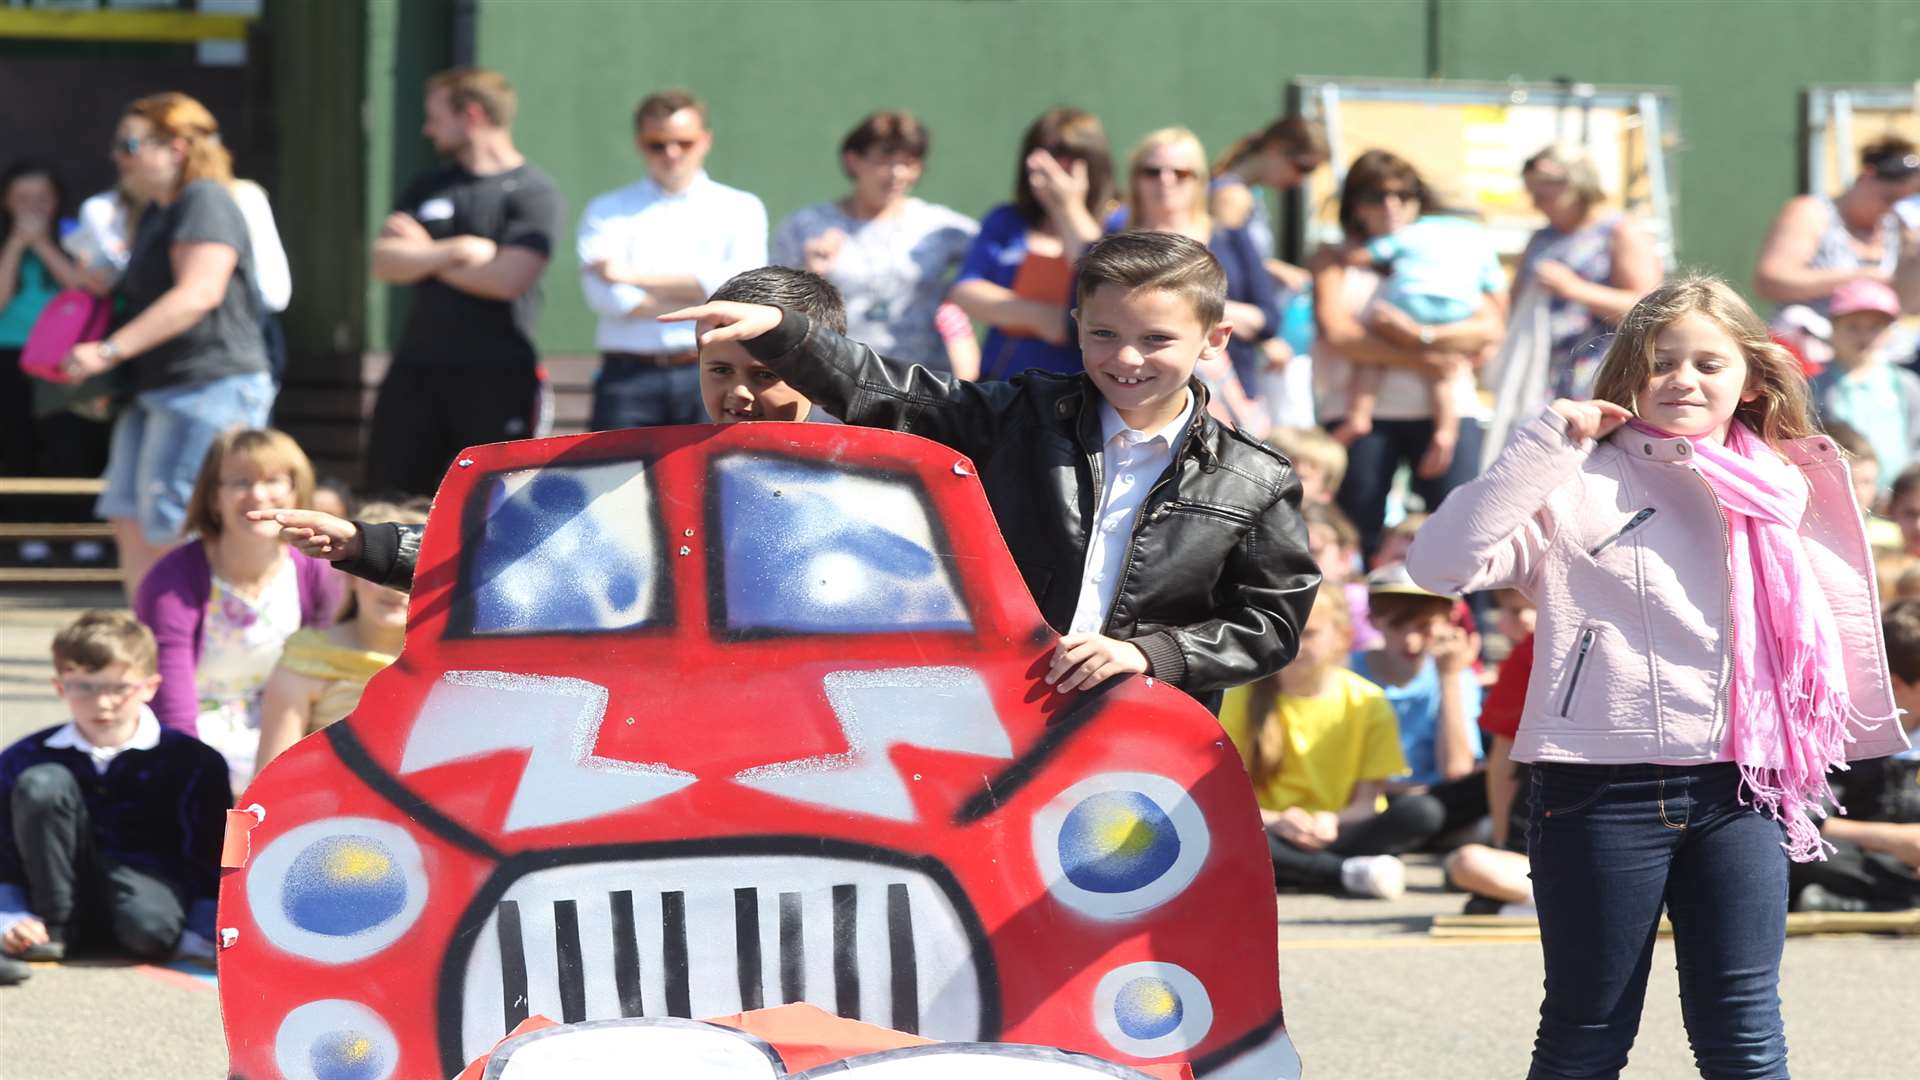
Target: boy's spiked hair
x: 1157, y: 260
x: 783, y: 287
x: 100, y: 639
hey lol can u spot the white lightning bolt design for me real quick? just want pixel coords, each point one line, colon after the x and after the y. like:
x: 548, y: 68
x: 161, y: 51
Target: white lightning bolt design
x: 940, y: 708
x: 469, y: 713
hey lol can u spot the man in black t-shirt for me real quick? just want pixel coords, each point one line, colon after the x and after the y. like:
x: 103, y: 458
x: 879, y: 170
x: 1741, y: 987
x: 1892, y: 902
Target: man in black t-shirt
x: 472, y: 238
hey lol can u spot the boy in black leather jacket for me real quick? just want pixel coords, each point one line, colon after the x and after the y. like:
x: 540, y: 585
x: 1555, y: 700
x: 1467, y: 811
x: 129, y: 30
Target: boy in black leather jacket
x: 1153, y: 539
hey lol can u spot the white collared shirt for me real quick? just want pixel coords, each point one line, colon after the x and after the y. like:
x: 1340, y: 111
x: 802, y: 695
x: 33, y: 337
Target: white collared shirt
x: 709, y: 231
x: 146, y: 736
x: 1132, y: 461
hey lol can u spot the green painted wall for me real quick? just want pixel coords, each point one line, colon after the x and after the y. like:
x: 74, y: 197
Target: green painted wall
x: 1740, y: 69
x: 784, y: 82
x: 786, y: 78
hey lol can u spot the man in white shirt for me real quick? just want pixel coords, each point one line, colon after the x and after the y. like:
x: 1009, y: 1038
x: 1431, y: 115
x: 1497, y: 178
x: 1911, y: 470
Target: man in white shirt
x: 660, y: 244
x: 1131, y: 460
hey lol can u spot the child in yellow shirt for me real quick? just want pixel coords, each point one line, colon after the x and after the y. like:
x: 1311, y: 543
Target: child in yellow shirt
x: 1319, y: 743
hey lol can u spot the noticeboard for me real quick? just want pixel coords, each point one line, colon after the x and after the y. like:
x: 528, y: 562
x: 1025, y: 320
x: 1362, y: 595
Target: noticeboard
x: 1842, y: 119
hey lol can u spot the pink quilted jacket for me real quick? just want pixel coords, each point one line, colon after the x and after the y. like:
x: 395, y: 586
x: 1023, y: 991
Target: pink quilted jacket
x: 1624, y: 548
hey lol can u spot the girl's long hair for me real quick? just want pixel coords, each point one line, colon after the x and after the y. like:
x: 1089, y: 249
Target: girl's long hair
x: 1266, y: 736
x: 1780, y: 410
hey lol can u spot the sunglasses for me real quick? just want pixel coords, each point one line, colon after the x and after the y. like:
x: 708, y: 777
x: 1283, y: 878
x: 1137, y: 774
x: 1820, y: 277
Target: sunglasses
x: 1065, y: 153
x: 660, y: 146
x: 1165, y: 173
x: 130, y: 145
x: 1379, y: 198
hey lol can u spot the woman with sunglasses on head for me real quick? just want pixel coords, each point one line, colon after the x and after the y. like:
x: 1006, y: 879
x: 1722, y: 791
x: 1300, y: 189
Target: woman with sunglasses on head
x: 192, y: 334
x: 1167, y: 192
x: 1591, y: 263
x: 1820, y: 242
x: 223, y: 605
x: 1018, y: 275
x: 1382, y: 195
x: 888, y: 253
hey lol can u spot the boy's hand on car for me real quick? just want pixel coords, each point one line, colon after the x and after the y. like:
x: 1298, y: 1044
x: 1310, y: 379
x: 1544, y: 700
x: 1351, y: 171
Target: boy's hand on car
x: 318, y: 535
x: 724, y: 320
x: 23, y: 935
x: 1590, y: 419
x: 1084, y: 661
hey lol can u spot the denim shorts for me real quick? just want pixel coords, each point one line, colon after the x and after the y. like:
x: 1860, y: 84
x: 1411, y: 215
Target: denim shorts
x: 160, y: 440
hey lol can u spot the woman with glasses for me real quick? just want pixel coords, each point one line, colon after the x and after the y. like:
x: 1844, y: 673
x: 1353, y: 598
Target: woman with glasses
x: 890, y: 254
x: 1590, y: 264
x: 1820, y: 242
x: 223, y: 605
x: 1167, y: 192
x: 191, y: 340
x: 1018, y: 275
x: 1382, y: 195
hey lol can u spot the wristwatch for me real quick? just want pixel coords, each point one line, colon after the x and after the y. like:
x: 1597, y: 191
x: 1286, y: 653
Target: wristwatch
x: 110, y: 352
x: 1426, y: 336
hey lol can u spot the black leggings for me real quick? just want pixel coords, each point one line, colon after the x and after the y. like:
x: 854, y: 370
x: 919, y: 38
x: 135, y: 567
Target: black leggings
x: 1408, y: 822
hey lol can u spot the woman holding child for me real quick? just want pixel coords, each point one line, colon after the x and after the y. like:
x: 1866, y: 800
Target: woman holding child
x: 223, y: 605
x: 1383, y: 195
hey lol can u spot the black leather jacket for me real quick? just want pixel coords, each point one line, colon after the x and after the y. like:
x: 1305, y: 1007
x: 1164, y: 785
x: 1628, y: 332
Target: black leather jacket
x: 1218, y: 578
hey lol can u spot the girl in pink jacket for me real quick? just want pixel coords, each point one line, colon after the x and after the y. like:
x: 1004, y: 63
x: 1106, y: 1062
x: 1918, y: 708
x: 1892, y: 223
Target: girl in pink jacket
x: 1707, y: 650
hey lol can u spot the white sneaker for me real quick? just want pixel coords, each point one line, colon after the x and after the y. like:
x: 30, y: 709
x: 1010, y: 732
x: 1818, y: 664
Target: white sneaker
x: 1381, y: 876
x: 1519, y: 911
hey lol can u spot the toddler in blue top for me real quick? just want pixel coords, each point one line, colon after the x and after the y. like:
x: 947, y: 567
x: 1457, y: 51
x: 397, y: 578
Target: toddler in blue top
x: 1437, y: 269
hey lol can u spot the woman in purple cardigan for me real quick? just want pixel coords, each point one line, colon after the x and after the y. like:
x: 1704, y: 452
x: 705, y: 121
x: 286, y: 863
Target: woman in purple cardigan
x: 222, y: 605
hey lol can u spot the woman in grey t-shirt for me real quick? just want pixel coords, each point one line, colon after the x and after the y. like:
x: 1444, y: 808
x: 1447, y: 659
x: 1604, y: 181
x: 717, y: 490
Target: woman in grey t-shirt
x: 192, y: 339
x: 890, y: 255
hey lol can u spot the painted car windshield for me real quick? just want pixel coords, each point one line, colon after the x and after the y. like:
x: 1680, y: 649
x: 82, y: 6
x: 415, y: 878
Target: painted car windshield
x: 816, y: 549
x: 565, y: 549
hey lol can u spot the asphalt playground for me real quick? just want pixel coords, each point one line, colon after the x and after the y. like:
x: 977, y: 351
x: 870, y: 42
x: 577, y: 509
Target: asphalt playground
x: 1370, y: 994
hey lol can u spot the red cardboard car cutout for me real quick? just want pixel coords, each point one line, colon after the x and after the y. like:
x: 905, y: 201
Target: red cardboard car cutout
x: 698, y: 720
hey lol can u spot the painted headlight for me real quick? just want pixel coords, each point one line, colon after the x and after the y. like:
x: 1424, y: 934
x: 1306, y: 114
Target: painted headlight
x: 335, y: 1039
x: 1152, y: 1009
x: 1117, y: 844
x: 337, y: 890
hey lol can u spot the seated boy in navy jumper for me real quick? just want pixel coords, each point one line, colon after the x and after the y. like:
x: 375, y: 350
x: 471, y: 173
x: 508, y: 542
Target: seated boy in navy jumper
x: 110, y: 827
x: 1155, y: 540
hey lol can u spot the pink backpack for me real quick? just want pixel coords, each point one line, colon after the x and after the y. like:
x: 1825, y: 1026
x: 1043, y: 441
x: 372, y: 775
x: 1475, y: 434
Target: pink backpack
x: 71, y: 317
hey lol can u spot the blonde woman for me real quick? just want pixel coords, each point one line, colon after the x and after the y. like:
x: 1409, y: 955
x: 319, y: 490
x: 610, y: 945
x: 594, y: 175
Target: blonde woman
x: 1167, y: 192
x: 323, y: 669
x: 199, y: 363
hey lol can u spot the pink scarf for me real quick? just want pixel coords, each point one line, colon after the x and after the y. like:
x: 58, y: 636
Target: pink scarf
x: 1788, y: 705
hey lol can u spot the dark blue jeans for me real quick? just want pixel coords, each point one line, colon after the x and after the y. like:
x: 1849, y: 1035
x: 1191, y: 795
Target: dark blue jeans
x: 1611, y: 845
x: 629, y: 393
x: 1373, y: 458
